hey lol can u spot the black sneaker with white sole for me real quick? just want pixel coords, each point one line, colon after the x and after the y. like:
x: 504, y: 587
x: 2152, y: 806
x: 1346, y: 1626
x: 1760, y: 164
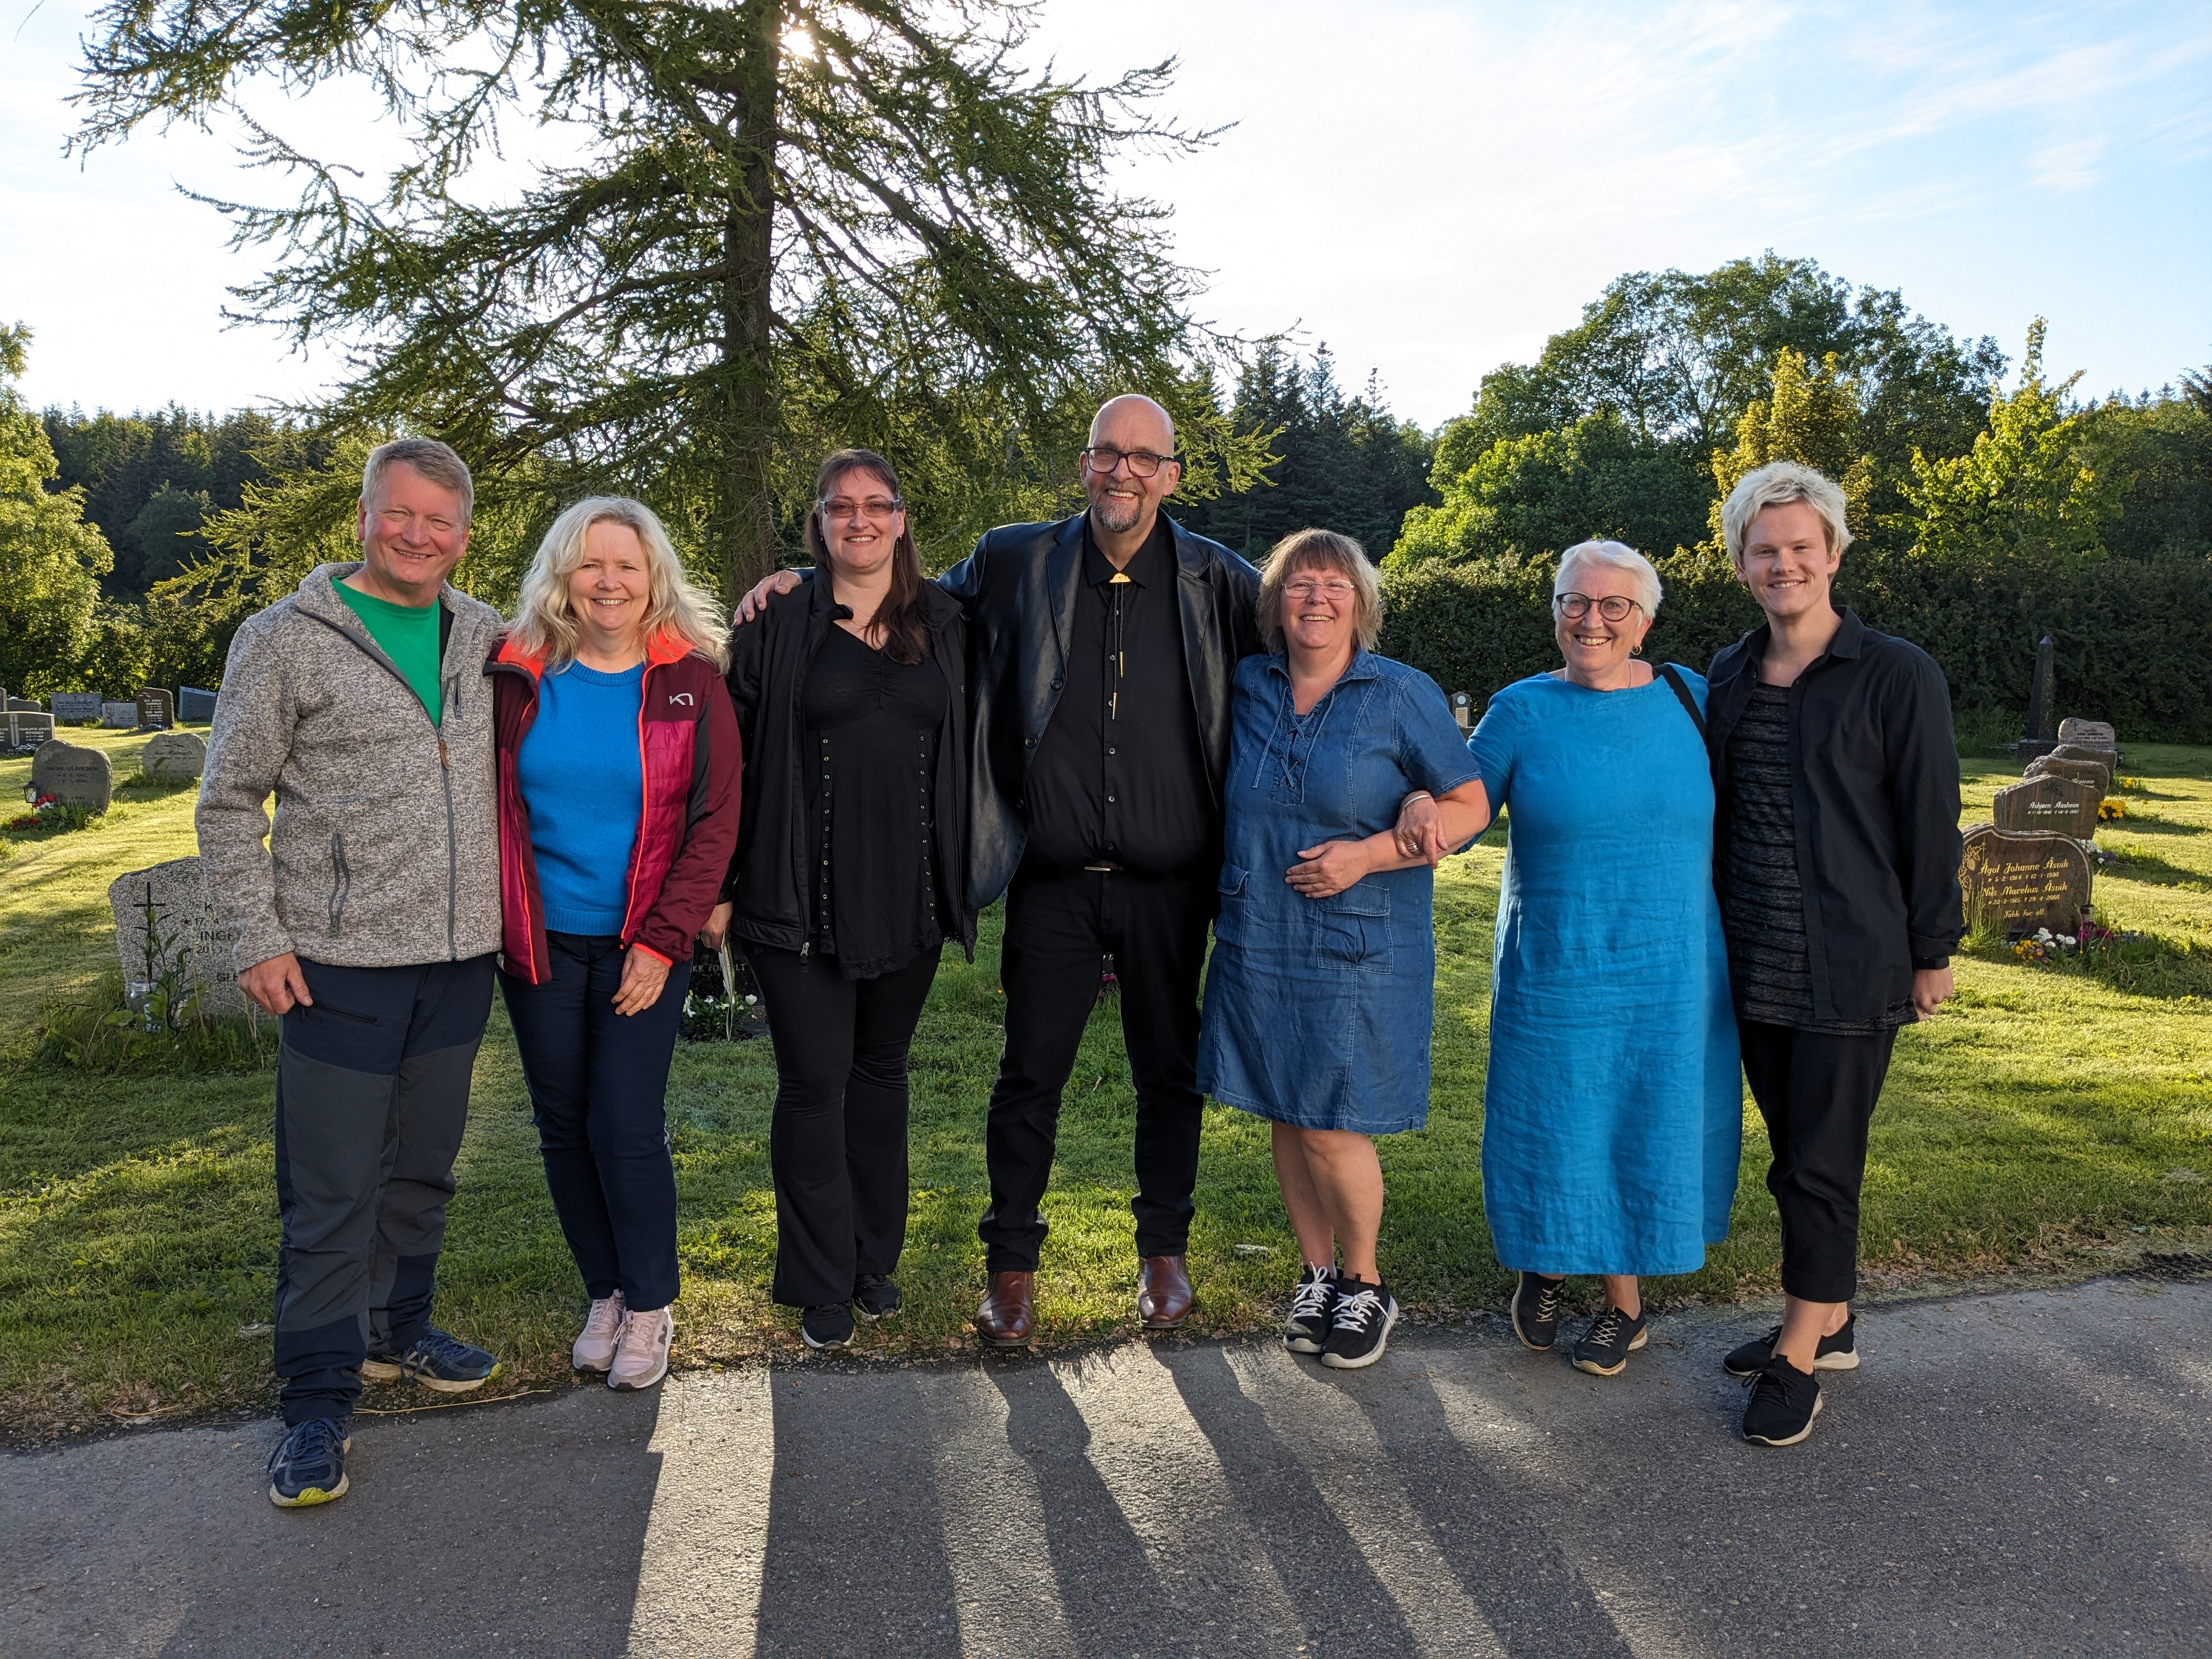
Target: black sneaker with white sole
x: 1313, y: 1304
x: 827, y: 1327
x: 1359, y: 1324
x: 1784, y: 1402
x: 1838, y: 1352
x: 1611, y: 1338
x: 1537, y: 1303
x: 876, y: 1297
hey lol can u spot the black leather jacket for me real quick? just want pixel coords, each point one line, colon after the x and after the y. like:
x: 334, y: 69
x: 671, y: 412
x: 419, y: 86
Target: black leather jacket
x: 1874, y: 790
x: 1018, y: 588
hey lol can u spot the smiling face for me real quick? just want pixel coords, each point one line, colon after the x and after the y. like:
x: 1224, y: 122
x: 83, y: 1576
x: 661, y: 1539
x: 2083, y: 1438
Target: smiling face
x: 1321, y: 610
x: 1597, y: 650
x: 861, y: 523
x: 413, y: 534
x: 1121, y: 502
x: 1786, y: 563
x: 612, y: 590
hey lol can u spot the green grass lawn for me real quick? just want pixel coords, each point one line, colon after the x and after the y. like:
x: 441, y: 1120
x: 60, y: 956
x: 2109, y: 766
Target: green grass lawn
x: 2045, y: 1122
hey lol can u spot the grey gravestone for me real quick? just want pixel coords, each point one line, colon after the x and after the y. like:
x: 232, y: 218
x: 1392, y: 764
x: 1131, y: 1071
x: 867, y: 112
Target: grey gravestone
x: 25, y: 728
x: 72, y: 776
x: 188, y: 943
x: 2095, y: 774
x: 2019, y: 883
x: 2043, y: 694
x: 24, y: 706
x: 2056, y: 805
x: 1462, y: 707
x: 123, y: 716
x: 172, y: 756
x: 156, y: 708
x: 2090, y: 734
x: 74, y: 706
x: 194, y: 704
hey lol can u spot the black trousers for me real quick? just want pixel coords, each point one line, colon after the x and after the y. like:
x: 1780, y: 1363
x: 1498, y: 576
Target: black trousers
x: 598, y: 1089
x: 1058, y: 926
x: 837, y: 1139
x: 372, y: 1099
x: 1817, y: 1092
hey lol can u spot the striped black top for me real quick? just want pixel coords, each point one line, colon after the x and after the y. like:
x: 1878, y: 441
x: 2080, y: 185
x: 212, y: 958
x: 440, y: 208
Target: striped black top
x: 1762, y: 900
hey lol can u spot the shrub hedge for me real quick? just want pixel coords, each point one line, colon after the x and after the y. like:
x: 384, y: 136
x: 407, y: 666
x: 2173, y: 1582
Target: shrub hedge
x: 2130, y: 633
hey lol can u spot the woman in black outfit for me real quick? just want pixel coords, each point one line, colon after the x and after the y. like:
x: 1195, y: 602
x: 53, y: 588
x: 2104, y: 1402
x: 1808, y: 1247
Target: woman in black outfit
x: 851, y: 695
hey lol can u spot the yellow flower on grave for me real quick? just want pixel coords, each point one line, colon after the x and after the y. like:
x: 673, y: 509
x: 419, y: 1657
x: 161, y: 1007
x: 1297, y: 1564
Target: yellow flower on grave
x: 2111, y: 807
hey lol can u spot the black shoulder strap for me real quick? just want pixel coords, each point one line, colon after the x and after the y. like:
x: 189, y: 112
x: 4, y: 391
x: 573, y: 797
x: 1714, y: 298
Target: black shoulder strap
x: 1682, y: 692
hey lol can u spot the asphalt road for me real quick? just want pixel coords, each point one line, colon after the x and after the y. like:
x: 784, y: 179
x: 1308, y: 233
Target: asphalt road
x: 2027, y: 1473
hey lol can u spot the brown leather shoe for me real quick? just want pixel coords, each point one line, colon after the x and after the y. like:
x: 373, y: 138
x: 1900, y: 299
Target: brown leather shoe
x: 1008, y: 1315
x: 1164, y: 1296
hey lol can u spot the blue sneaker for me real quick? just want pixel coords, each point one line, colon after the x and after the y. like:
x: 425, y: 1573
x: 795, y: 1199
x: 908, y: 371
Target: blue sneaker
x: 437, y: 1360
x: 308, y: 1466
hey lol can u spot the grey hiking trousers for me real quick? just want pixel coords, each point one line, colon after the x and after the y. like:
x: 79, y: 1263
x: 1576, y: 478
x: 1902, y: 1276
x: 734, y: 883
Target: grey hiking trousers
x: 372, y: 1097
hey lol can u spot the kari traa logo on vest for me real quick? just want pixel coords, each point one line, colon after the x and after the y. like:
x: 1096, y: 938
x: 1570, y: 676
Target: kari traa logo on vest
x: 684, y: 697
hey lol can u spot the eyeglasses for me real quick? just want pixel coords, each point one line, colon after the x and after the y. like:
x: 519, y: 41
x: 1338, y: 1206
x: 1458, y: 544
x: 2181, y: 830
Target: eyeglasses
x: 1335, y: 589
x: 1103, y: 458
x: 875, y: 506
x: 1575, y: 606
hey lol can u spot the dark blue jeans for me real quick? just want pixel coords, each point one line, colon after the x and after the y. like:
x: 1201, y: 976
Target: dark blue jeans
x: 597, y: 1082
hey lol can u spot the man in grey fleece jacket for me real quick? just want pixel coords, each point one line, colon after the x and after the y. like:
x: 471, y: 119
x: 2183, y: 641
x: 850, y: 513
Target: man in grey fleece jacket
x: 369, y: 926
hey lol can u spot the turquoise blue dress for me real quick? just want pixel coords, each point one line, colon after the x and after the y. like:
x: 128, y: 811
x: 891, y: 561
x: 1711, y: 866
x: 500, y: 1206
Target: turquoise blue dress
x: 1317, y: 1010
x: 1613, y: 1119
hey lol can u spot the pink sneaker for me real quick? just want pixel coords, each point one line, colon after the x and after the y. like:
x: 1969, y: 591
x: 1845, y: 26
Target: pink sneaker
x: 595, y: 1348
x: 641, y: 1355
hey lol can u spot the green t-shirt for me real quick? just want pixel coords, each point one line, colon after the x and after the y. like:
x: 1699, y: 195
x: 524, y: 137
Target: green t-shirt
x: 408, y: 633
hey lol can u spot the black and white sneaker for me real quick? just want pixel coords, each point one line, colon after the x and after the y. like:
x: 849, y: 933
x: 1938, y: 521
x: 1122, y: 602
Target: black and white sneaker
x: 1784, y: 1402
x: 1838, y: 1352
x: 1537, y: 1303
x: 876, y: 1297
x: 1611, y: 1338
x: 1359, y: 1324
x: 1313, y: 1303
x: 827, y: 1327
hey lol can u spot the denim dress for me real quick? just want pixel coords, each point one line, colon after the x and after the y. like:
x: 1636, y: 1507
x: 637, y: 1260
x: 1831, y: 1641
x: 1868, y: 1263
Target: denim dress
x: 1317, y: 1010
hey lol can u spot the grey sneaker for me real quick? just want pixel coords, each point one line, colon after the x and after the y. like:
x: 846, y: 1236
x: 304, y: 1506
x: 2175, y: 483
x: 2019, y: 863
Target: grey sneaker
x: 641, y: 1351
x: 594, y: 1350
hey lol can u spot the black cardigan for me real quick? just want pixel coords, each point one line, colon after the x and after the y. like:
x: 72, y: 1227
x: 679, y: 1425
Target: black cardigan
x: 769, y: 659
x: 1875, y: 786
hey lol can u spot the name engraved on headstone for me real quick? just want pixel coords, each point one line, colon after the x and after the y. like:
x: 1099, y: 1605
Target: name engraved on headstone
x: 188, y: 943
x: 2060, y: 805
x: 156, y: 709
x: 2019, y: 883
x: 25, y: 727
x: 75, y: 706
x: 2097, y: 776
x: 174, y: 757
x: 2090, y: 734
x: 74, y: 776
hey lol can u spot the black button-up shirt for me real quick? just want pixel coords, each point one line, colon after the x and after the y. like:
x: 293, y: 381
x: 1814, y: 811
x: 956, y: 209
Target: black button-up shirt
x: 1118, y: 777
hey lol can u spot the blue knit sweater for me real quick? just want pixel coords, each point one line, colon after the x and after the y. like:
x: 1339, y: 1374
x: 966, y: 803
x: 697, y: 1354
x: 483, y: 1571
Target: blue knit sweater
x: 584, y: 787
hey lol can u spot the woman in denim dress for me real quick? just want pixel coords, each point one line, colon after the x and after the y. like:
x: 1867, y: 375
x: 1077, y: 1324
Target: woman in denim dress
x: 1319, y: 995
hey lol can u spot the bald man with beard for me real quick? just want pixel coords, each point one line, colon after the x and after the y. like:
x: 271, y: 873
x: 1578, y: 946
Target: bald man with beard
x: 1103, y: 650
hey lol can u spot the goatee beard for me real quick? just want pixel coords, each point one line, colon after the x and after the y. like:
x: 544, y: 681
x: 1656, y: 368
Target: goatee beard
x: 1116, y: 518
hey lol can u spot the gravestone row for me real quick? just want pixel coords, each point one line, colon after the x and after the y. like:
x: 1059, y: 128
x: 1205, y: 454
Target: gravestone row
x: 2017, y: 882
x: 2051, y: 803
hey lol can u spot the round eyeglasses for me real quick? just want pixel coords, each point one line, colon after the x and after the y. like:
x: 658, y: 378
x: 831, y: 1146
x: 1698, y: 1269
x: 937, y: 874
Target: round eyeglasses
x: 1614, y: 607
x: 1102, y: 459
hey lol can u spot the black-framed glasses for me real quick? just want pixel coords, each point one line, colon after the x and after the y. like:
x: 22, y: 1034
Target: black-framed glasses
x: 1104, y: 458
x: 1614, y: 607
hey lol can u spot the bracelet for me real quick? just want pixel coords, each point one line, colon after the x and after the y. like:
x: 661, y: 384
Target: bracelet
x: 1419, y: 794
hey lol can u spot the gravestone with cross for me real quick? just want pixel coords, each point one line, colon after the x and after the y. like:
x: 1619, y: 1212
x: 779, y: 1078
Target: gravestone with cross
x: 157, y: 710
x: 26, y: 728
x: 119, y: 716
x: 72, y: 776
x: 187, y: 945
x: 2059, y: 806
x: 2017, y: 883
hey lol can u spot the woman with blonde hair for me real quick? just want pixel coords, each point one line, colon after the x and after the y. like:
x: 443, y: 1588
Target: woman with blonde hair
x: 618, y: 769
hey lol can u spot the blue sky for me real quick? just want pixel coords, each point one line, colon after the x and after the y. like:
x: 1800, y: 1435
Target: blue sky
x: 1431, y: 189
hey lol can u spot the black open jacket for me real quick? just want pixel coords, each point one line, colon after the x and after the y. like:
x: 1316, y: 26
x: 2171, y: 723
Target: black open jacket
x: 769, y: 657
x: 1019, y: 587
x: 1875, y: 788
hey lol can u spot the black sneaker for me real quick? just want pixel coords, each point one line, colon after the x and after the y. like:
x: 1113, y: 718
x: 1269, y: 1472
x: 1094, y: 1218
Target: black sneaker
x: 1359, y: 1324
x: 1838, y: 1352
x: 827, y: 1327
x: 1305, y: 1330
x: 437, y: 1360
x: 1537, y: 1303
x: 876, y: 1297
x: 308, y: 1465
x: 1784, y: 1400
x: 1611, y: 1338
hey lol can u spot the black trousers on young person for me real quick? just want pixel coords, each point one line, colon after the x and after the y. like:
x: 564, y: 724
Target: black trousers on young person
x: 837, y: 1139
x: 1817, y: 1091
x: 1058, y: 926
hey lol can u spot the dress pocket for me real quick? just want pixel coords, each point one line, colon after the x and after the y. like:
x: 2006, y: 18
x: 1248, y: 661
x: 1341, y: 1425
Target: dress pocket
x: 1352, y: 928
x: 1229, y: 920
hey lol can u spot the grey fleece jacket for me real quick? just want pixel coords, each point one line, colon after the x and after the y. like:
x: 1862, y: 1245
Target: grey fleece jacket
x: 385, y: 849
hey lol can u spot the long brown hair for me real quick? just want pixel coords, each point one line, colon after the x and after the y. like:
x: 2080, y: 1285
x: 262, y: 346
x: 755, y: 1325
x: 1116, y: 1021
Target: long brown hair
x: 899, y: 618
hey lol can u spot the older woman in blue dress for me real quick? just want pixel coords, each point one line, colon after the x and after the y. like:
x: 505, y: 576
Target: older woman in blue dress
x: 1613, y: 1117
x: 1318, y: 998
